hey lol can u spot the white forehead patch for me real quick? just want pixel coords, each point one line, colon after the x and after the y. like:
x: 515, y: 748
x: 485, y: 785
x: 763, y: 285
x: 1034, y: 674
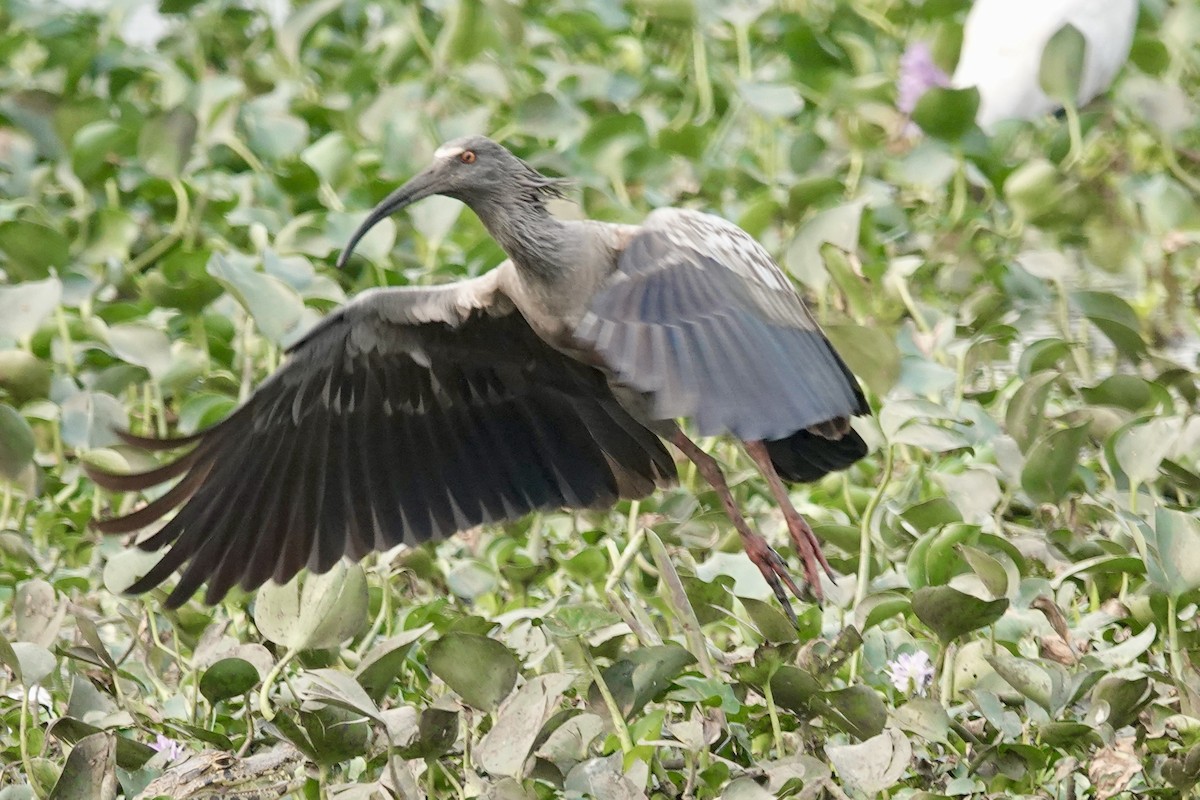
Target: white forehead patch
x: 447, y: 151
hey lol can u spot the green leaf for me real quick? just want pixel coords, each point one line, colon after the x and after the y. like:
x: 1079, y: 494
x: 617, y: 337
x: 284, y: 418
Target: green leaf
x: 872, y: 766
x: 229, y: 677
x: 90, y: 770
x: 947, y: 114
x: 1125, y: 697
x: 27, y: 305
x: 925, y: 718
x: 131, y: 754
x: 1026, y: 677
x: 769, y: 620
x: 275, y: 306
x: 312, y: 612
x: 506, y: 747
x: 878, y: 607
x: 378, y: 670
x: 142, y: 345
x: 1050, y: 464
x: 1115, y: 318
x: 1061, y: 68
x: 24, y: 376
x: 989, y: 569
x: 165, y: 143
x: 858, y: 710
x: 871, y: 353
x: 951, y: 613
x: 481, y: 670
x: 16, y: 444
x: 774, y: 100
x: 642, y: 675
x: 1172, y: 551
x: 32, y: 250
x: 1141, y: 448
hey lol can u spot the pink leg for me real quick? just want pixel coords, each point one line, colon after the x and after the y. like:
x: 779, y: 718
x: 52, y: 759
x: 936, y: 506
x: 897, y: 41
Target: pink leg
x: 769, y: 563
x: 806, y: 542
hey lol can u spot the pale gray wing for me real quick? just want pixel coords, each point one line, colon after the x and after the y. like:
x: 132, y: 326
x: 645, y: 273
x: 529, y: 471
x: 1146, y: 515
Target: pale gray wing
x: 407, y: 415
x: 701, y: 319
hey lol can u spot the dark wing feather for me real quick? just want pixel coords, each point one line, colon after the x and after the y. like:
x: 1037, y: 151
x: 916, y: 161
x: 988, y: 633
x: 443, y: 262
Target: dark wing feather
x: 699, y: 319
x: 405, y: 416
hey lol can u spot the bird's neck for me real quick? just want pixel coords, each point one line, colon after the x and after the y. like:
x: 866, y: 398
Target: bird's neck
x: 535, y: 241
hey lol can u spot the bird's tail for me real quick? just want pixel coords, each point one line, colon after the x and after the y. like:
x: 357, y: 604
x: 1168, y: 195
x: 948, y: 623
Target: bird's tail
x: 805, y: 456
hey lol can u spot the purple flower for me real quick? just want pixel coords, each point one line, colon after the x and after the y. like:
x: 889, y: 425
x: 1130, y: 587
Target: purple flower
x: 911, y: 673
x: 172, y: 748
x: 918, y: 74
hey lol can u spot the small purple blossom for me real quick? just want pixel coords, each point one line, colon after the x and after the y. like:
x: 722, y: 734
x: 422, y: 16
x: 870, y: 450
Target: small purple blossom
x: 911, y: 673
x: 918, y: 74
x: 172, y: 748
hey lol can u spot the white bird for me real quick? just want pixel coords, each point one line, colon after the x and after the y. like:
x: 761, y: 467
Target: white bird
x: 1002, y: 47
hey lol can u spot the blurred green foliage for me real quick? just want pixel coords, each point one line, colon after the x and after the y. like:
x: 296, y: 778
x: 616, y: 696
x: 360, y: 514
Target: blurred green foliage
x: 1023, y: 313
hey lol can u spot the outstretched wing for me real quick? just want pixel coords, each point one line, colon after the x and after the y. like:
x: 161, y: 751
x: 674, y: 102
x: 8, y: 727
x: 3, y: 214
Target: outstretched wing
x: 698, y: 317
x: 407, y: 415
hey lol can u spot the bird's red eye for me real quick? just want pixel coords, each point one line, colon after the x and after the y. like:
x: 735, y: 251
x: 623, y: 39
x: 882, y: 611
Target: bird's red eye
x: 467, y: 156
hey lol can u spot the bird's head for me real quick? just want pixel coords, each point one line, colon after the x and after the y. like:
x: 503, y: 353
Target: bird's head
x: 473, y: 169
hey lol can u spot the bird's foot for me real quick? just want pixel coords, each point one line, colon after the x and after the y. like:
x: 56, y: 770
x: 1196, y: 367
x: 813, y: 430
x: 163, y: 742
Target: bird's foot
x: 775, y: 571
x: 808, y: 547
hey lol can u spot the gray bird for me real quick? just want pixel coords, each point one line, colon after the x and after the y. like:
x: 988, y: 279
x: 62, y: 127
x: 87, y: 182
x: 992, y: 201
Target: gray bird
x: 551, y: 381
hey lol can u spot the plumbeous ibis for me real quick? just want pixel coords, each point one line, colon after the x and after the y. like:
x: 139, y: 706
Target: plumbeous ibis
x: 551, y: 381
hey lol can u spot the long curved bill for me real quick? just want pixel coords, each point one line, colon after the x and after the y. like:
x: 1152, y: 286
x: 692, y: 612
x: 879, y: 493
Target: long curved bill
x: 420, y: 186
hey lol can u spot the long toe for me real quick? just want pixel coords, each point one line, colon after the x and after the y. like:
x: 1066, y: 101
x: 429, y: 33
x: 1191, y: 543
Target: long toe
x: 775, y: 571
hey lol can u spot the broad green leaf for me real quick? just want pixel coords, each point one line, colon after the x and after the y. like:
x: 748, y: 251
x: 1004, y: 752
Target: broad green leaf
x: 16, y: 443
x: 26, y: 305
x: 1062, y: 65
x: 90, y: 419
x: 1050, y: 464
x: 837, y: 226
x: 951, y: 613
x: 1141, y: 448
x: 1026, y: 677
x: 142, y: 345
x: 337, y: 688
x: 1115, y: 318
x: 312, y: 612
x: 507, y: 746
x: 925, y: 718
x: 229, y: 677
x: 1173, y: 551
x: 32, y: 251
x: 131, y: 754
x: 381, y: 665
x: 988, y: 568
x: 165, y: 143
x: 35, y: 662
x: 947, y: 114
x: 275, y: 306
x: 481, y: 670
x: 1125, y: 697
x: 1025, y: 417
x: 858, y: 710
x: 24, y: 376
x: 643, y: 674
x: 874, y: 765
x: 90, y: 770
x: 774, y: 100
x: 871, y: 354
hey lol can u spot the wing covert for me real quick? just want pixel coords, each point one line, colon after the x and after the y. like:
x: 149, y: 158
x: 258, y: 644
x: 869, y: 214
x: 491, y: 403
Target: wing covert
x: 699, y: 317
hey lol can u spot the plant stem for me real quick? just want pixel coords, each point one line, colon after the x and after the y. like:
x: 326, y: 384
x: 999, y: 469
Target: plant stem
x: 776, y: 730
x: 614, y: 711
x: 864, y: 541
x: 1173, y: 640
